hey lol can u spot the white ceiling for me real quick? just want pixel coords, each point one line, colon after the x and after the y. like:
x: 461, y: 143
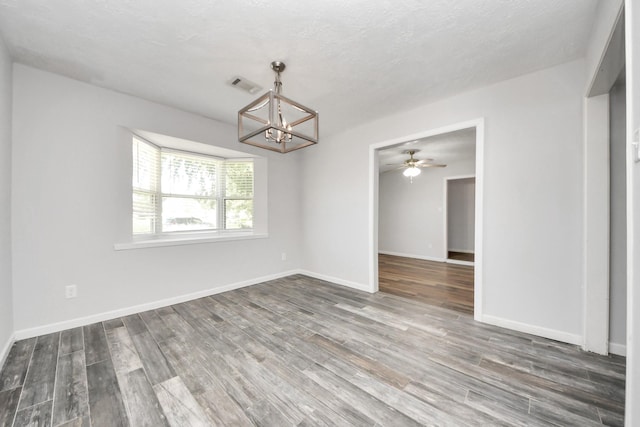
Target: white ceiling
x: 444, y: 149
x: 352, y: 60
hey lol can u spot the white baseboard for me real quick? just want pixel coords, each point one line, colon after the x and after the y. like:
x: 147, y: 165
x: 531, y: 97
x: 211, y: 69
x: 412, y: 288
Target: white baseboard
x: 88, y: 320
x: 618, y: 349
x: 338, y: 281
x: 533, y: 330
x: 5, y: 350
x: 459, y: 262
x: 462, y: 251
x: 426, y: 258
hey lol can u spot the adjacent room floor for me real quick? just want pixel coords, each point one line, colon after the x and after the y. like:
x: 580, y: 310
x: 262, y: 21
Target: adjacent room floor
x: 300, y: 351
x: 435, y: 283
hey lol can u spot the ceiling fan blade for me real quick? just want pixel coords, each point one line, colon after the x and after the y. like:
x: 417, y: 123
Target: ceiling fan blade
x: 432, y: 165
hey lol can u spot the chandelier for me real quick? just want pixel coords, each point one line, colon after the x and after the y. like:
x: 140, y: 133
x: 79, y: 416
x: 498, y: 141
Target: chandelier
x: 277, y: 123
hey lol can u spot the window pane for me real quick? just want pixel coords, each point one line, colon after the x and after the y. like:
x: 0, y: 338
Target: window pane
x: 184, y: 214
x: 186, y: 174
x: 238, y: 214
x: 145, y: 165
x: 144, y: 213
x: 239, y: 179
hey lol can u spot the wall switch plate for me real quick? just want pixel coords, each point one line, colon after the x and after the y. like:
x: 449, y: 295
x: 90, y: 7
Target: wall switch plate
x: 284, y: 256
x: 70, y: 291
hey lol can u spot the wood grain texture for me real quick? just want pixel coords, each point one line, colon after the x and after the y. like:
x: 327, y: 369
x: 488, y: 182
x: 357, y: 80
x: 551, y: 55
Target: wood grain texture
x: 71, y: 340
x: 105, y: 397
x: 15, y: 368
x: 436, y: 283
x: 95, y: 344
x: 35, y: 416
x: 71, y: 399
x: 8, y: 405
x: 300, y: 351
x: 39, y: 383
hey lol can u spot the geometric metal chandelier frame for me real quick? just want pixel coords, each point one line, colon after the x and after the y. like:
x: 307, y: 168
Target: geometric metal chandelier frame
x: 277, y: 123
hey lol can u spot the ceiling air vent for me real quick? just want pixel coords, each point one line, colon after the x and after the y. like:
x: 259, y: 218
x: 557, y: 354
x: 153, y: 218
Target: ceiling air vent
x: 244, y: 84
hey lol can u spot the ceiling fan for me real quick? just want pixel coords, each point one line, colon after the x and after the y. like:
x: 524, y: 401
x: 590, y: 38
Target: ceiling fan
x: 412, y: 165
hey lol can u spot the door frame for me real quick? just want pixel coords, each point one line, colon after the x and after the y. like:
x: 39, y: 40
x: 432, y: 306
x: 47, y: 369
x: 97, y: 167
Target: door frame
x: 374, y: 149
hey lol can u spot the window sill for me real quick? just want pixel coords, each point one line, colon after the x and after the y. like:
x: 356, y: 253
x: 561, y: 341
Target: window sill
x: 187, y: 240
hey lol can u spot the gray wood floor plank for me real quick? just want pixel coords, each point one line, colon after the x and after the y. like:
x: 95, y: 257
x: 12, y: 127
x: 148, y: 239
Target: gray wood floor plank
x: 15, y: 368
x: 179, y: 405
x: 140, y: 400
x: 156, y: 326
x: 135, y: 325
x: 71, y: 340
x: 8, y: 405
x: 153, y: 360
x: 123, y: 352
x: 105, y: 399
x: 71, y: 399
x: 35, y: 416
x: 77, y: 422
x: 299, y: 351
x: 39, y: 383
x: 112, y: 324
x: 95, y: 344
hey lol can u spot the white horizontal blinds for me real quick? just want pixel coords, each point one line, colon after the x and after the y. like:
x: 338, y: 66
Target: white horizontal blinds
x: 238, y: 197
x: 238, y: 179
x: 190, y: 187
x: 145, y: 187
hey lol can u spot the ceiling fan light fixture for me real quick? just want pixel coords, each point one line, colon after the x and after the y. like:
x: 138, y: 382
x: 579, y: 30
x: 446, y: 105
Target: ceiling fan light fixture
x: 411, y: 172
x: 277, y: 123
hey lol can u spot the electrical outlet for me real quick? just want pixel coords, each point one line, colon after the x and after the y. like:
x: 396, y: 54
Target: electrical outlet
x: 70, y: 291
x: 284, y: 256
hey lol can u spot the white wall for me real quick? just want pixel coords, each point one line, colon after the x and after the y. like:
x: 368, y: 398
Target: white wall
x: 461, y: 215
x: 532, y: 196
x: 71, y: 201
x: 411, y: 215
x: 6, y: 297
x: 618, y: 218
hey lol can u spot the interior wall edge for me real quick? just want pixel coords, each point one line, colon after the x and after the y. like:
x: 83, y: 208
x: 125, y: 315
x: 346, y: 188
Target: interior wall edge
x: 618, y: 349
x: 540, y: 331
x: 126, y: 311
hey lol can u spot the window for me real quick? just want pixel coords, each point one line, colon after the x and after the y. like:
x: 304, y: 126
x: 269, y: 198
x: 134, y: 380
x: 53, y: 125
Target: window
x: 178, y: 191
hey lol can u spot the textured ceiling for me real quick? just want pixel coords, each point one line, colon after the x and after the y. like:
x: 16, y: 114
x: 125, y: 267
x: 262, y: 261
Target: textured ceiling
x: 444, y: 148
x: 353, y: 60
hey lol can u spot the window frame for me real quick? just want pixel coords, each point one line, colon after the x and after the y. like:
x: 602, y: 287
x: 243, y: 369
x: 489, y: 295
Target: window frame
x: 220, y: 198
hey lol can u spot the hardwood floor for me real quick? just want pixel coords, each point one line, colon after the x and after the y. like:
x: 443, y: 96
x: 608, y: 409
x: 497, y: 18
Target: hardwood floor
x: 435, y: 283
x: 461, y: 256
x: 299, y: 351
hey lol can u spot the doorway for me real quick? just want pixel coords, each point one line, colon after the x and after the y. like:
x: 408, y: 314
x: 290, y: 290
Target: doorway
x: 424, y: 243
x: 460, y: 213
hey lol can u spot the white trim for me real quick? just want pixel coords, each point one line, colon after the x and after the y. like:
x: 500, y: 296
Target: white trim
x: 462, y: 251
x: 534, y: 330
x: 618, y: 349
x: 460, y: 262
x: 88, y: 320
x: 4, y: 353
x: 424, y: 257
x: 349, y: 284
x: 191, y: 240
